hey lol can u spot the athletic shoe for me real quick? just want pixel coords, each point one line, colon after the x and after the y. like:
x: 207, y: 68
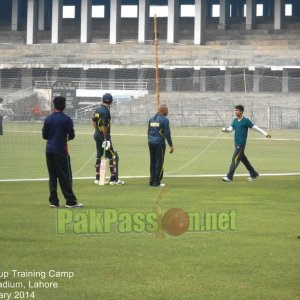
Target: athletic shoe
x: 77, y: 205
x: 159, y: 185
x: 119, y: 182
x: 96, y: 182
x: 54, y: 205
x: 252, y: 178
x: 226, y: 179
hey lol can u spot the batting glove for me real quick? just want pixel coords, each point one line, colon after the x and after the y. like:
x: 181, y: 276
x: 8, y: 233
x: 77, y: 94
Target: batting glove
x: 106, y: 145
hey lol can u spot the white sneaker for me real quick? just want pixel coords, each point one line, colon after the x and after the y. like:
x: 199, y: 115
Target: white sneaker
x: 96, y: 182
x: 54, y: 206
x: 119, y: 182
x: 226, y: 179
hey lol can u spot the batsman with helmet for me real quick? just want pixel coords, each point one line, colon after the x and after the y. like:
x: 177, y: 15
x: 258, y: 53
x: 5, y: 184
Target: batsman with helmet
x: 102, y: 137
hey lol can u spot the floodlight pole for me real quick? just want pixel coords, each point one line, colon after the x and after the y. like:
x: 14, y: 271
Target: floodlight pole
x: 156, y: 62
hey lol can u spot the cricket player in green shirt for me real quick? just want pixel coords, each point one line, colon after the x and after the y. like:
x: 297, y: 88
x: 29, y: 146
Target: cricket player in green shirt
x: 240, y: 125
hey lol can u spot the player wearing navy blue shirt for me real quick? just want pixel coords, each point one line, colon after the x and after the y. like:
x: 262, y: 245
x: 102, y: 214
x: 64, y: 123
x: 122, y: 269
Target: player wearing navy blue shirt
x: 58, y: 129
x: 240, y: 125
x: 158, y: 132
x: 101, y: 122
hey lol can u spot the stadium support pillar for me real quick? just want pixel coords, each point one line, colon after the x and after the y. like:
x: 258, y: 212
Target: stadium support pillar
x: 41, y: 20
x: 224, y: 14
x: 203, y: 80
x: 173, y: 20
x: 56, y: 21
x: 285, y: 81
x: 15, y: 15
x: 169, y: 80
x: 112, y: 79
x: 143, y: 20
x: 200, y: 21
x: 227, y: 87
x: 26, y: 81
x: 115, y: 20
x: 250, y: 14
x: 279, y: 13
x: 32, y: 21
x: 86, y: 21
x: 256, y: 81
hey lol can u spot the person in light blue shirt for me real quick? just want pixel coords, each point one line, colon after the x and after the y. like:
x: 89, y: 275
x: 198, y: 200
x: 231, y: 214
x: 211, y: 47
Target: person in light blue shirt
x: 240, y: 125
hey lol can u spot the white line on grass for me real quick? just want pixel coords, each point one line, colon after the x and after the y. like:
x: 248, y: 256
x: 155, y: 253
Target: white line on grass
x: 146, y: 176
x: 174, y: 136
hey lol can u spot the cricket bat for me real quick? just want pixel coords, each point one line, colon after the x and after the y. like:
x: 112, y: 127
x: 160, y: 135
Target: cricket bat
x: 102, y: 170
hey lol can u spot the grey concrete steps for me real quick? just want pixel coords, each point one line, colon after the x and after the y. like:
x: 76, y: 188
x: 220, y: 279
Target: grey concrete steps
x: 216, y: 53
x: 205, y: 109
x: 271, y: 37
x: 252, y: 32
x: 278, y: 44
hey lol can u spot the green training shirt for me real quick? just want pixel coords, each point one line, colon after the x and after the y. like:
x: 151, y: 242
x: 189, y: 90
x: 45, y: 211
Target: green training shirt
x: 241, y: 130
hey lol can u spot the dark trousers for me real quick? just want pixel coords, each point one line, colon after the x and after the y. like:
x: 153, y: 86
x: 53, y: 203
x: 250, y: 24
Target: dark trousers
x: 157, y: 155
x: 59, y: 167
x: 1, y: 125
x: 239, y: 156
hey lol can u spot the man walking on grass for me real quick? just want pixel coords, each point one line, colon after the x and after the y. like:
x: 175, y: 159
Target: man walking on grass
x: 58, y: 130
x: 240, y: 125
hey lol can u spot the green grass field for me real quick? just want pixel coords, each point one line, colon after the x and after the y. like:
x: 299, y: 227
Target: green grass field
x: 258, y: 260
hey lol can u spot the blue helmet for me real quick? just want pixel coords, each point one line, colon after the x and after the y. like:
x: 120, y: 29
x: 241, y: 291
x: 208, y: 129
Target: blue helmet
x: 107, y: 98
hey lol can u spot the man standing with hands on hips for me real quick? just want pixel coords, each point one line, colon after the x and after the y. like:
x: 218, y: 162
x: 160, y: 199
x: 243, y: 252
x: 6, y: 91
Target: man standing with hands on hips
x: 158, y: 132
x: 58, y: 130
